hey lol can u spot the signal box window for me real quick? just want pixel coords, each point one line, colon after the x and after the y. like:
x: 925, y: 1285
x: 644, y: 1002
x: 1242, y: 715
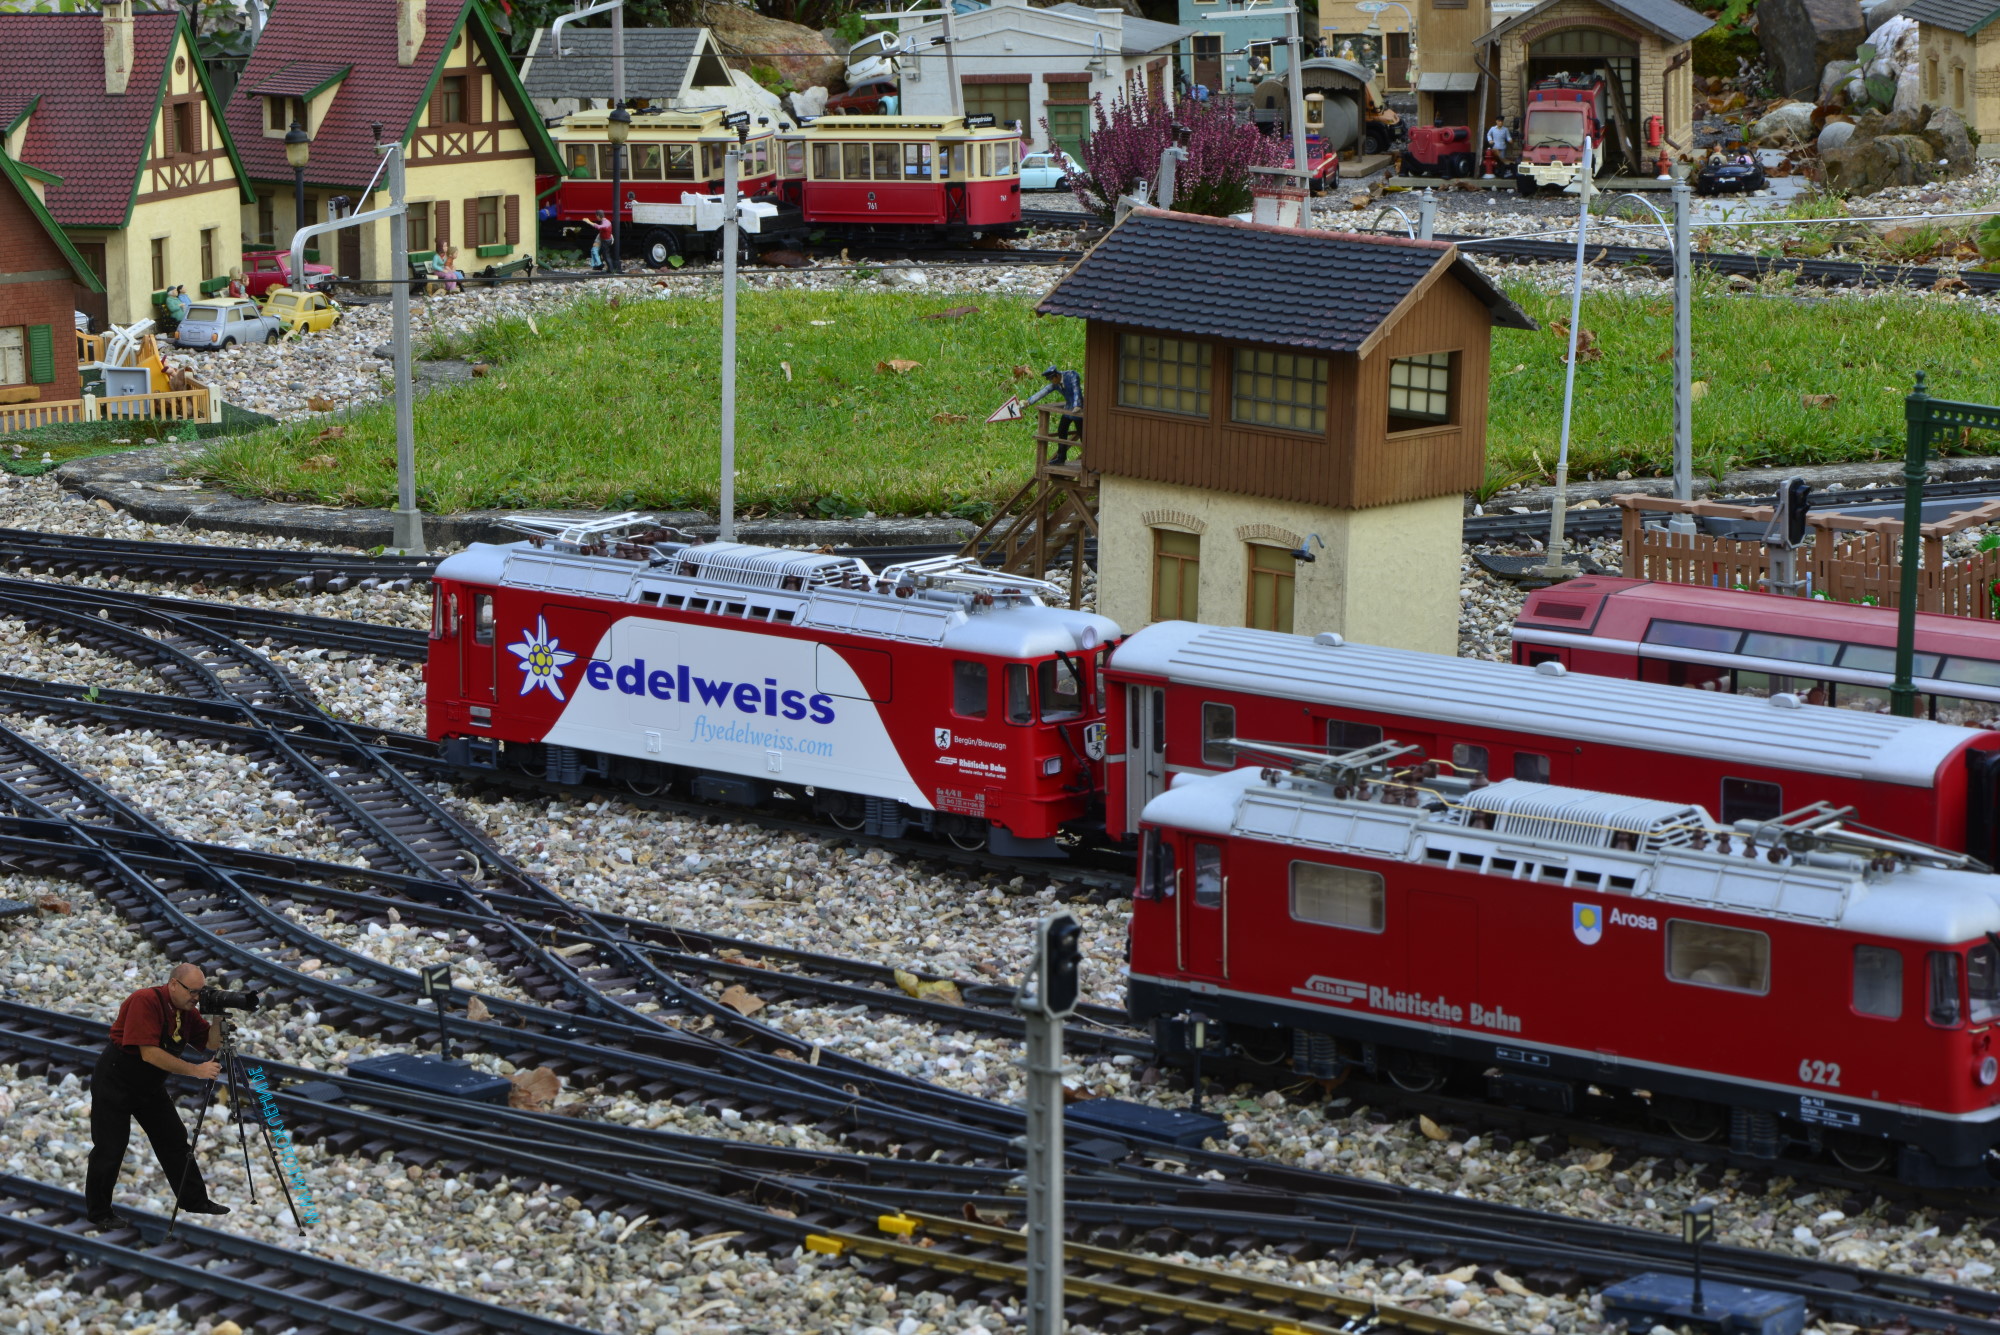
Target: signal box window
x: 1176, y: 575
x: 1878, y: 981
x: 1531, y: 768
x: 1943, y: 1005
x: 1218, y: 725
x: 1168, y: 375
x: 1708, y: 955
x: 968, y: 689
x: 1062, y: 690
x: 1273, y: 576
x: 482, y: 618
x: 1337, y: 896
x: 1342, y: 735
x: 1469, y: 757
x: 1748, y: 799
x: 1982, y: 983
x: 1207, y: 876
x: 1420, y: 392
x: 1020, y: 708
x: 1279, y: 389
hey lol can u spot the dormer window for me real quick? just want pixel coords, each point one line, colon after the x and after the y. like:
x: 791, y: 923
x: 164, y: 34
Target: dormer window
x: 448, y: 103
x: 280, y: 112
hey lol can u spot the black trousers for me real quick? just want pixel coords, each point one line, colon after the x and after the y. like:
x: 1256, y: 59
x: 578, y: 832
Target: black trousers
x: 119, y: 1093
x: 1068, y: 426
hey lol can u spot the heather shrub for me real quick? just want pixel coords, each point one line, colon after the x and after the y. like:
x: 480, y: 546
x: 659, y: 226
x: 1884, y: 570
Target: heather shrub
x: 1129, y: 134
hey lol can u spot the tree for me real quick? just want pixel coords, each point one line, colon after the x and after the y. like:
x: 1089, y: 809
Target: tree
x: 1129, y: 135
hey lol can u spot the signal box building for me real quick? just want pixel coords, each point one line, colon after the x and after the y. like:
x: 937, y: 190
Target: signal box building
x: 1238, y: 425
x: 1959, y: 63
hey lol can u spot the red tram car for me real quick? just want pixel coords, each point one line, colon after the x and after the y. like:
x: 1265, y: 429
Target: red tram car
x: 1786, y: 983
x: 916, y: 175
x: 930, y: 696
x: 1178, y: 689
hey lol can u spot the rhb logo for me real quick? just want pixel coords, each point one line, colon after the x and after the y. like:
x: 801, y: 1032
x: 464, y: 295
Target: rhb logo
x: 681, y: 684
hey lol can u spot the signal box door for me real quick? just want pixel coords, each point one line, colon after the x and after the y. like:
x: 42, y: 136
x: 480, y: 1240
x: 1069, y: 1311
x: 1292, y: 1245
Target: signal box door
x: 476, y: 647
x: 1146, y: 758
x: 1205, y: 913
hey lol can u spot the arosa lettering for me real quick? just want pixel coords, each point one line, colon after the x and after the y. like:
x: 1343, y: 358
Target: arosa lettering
x: 634, y: 678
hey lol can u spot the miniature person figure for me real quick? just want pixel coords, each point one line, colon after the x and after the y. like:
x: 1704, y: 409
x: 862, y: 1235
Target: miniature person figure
x: 600, y: 247
x: 237, y: 287
x: 1069, y: 385
x: 450, y: 272
x: 1201, y: 92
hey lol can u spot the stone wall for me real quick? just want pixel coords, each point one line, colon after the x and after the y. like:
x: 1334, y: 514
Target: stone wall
x: 1654, y: 57
x: 1950, y: 64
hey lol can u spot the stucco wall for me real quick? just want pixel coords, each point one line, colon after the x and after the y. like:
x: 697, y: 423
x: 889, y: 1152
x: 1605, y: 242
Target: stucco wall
x: 1942, y: 54
x: 1388, y: 575
x: 1009, y: 38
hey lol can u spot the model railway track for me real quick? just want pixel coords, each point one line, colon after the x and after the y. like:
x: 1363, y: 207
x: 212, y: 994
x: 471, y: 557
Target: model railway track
x: 1820, y: 273
x: 242, y: 621
x: 194, y: 562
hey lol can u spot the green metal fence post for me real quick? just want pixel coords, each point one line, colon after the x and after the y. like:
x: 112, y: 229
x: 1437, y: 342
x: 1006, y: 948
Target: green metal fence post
x: 1917, y: 416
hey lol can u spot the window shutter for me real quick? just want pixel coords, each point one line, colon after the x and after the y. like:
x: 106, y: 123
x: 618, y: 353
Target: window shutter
x: 471, y: 223
x: 441, y: 226
x: 41, y: 353
x: 513, y: 220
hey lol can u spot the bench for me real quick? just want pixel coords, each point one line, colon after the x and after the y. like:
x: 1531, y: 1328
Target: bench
x: 493, y: 273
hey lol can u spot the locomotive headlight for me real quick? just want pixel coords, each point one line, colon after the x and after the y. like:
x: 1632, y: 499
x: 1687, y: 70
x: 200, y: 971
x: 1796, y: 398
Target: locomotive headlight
x: 1989, y: 1069
x: 1053, y: 765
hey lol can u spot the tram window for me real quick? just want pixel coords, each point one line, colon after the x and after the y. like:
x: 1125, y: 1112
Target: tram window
x: 482, y: 618
x: 1709, y: 955
x: 1218, y: 725
x: 1158, y: 880
x: 1003, y: 159
x: 1207, y: 876
x: 1943, y: 1005
x: 1878, y: 981
x: 795, y: 157
x: 854, y: 162
x: 1019, y: 708
x: 1061, y: 689
x: 680, y: 162
x: 951, y: 162
x: 1971, y: 671
x: 1686, y: 635
x: 1342, y: 735
x: 1531, y: 768
x: 968, y: 689
x: 1881, y: 658
x: 1468, y: 757
x: 1748, y: 799
x: 648, y: 162
x: 582, y: 161
x: 888, y: 161
x: 826, y: 161
x: 917, y: 162
x: 1791, y: 648
x: 1337, y: 896
x: 711, y: 160
x: 760, y: 157
x: 1982, y: 983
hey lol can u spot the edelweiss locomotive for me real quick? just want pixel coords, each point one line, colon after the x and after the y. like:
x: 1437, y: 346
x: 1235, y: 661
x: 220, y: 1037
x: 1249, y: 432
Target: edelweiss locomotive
x: 1789, y: 982
x: 932, y: 695
x: 1178, y: 689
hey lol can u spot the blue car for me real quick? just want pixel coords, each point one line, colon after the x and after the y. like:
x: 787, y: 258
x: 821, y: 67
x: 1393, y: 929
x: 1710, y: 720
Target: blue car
x: 222, y: 323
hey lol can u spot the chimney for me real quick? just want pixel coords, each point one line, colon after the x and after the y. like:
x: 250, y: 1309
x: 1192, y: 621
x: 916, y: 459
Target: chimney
x: 1277, y: 200
x: 409, y: 30
x: 117, y: 46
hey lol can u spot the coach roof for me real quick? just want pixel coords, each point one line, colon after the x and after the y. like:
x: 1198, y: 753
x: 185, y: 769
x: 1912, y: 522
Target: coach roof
x: 1575, y: 706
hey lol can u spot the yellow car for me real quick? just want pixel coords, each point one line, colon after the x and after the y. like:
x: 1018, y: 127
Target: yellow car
x: 305, y: 312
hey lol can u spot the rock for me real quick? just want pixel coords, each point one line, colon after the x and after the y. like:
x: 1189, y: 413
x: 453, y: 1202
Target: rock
x: 1944, y: 130
x: 809, y: 102
x: 1901, y: 148
x: 1834, y: 134
x: 1786, y: 123
x: 905, y: 278
x: 1833, y: 82
x: 798, y: 53
x: 1800, y: 37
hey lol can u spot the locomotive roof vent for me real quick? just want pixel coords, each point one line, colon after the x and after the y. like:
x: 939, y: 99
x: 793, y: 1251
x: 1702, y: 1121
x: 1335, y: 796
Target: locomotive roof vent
x: 1580, y: 817
x: 764, y: 567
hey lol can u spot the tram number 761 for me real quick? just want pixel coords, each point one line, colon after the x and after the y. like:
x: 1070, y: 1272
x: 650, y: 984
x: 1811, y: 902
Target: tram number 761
x: 1820, y: 1073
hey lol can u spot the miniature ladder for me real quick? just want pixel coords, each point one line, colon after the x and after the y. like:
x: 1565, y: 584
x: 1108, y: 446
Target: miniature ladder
x: 1052, y: 517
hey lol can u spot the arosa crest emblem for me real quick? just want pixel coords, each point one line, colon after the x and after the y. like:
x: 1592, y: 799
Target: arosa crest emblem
x: 1587, y: 921
x: 943, y: 736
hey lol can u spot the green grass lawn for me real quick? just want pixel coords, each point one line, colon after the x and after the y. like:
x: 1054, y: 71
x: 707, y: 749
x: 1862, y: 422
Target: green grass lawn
x: 603, y: 407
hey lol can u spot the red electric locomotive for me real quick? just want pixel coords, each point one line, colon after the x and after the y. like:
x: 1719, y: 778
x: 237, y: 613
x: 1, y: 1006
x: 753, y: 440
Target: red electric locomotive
x: 1840, y: 654
x: 932, y: 695
x: 1796, y: 982
x: 1178, y: 688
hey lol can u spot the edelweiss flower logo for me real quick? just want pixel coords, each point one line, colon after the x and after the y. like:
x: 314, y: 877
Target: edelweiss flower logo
x: 542, y: 660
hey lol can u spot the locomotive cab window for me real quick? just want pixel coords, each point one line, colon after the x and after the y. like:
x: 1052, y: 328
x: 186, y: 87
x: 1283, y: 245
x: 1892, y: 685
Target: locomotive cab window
x: 1207, y: 876
x: 1749, y: 799
x: 1157, y: 881
x: 1218, y: 725
x: 482, y: 618
x: 1878, y: 981
x: 1468, y: 757
x: 1061, y: 689
x: 444, y: 615
x: 1342, y: 735
x: 1708, y: 955
x: 968, y: 689
x: 1020, y: 707
x: 1531, y: 768
x: 1943, y: 1006
x: 1982, y: 984
x: 1337, y: 896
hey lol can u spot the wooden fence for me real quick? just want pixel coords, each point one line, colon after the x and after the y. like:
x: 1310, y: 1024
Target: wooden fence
x: 190, y: 401
x: 1846, y: 558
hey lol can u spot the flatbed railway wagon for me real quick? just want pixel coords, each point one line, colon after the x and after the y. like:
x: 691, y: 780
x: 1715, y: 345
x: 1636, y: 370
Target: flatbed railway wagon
x: 1840, y: 654
x: 1179, y: 690
x: 915, y: 178
x: 1784, y: 984
x: 931, y: 696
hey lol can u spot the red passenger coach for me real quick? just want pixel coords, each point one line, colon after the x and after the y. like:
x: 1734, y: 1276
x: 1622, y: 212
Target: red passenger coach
x: 932, y: 696
x: 1791, y: 983
x: 1180, y: 689
x: 891, y: 173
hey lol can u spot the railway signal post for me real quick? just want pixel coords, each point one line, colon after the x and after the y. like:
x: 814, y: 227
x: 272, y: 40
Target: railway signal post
x: 732, y: 167
x: 1049, y: 995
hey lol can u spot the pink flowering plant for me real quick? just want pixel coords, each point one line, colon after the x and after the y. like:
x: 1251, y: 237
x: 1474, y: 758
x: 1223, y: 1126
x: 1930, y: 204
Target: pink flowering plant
x: 1130, y: 134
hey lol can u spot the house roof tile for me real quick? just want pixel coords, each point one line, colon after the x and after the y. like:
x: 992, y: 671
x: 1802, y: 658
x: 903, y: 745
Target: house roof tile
x: 298, y: 78
x: 1666, y: 19
x: 659, y: 63
x: 1966, y: 16
x: 1211, y: 278
x: 11, y: 176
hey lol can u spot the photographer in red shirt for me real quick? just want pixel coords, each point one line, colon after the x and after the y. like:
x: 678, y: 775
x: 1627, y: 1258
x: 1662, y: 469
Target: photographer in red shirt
x: 153, y: 1026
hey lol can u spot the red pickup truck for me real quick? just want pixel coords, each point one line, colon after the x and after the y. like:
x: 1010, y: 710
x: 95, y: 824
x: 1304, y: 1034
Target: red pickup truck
x: 266, y: 269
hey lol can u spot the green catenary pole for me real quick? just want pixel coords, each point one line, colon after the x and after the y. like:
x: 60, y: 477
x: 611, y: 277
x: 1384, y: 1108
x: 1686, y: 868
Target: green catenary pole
x: 1917, y: 416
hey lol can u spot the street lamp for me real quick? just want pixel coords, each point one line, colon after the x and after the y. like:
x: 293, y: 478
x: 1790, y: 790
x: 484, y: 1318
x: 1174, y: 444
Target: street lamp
x: 1374, y: 8
x: 298, y: 147
x: 618, y: 128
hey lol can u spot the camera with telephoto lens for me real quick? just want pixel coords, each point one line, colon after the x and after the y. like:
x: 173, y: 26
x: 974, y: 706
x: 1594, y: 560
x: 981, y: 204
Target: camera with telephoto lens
x: 213, y: 999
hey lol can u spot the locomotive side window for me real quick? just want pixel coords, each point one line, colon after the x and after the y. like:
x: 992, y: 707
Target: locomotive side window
x: 1686, y: 635
x: 1878, y: 981
x: 1158, y: 880
x: 968, y: 689
x: 1470, y: 757
x: 1020, y: 709
x: 444, y: 614
x: 1061, y: 689
x: 1749, y: 799
x: 1881, y: 658
x: 1971, y: 671
x: 1982, y: 983
x: 1944, y: 1008
x: 1207, y: 876
x: 1792, y: 648
x: 482, y: 618
x: 1218, y: 725
x: 1708, y: 955
x: 1341, y: 735
x: 1097, y: 676
x: 1337, y: 896
x: 1531, y: 768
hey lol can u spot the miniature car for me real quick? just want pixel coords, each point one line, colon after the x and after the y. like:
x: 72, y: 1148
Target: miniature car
x: 1047, y: 171
x: 1740, y: 175
x: 219, y: 323
x: 266, y: 269
x: 308, y: 312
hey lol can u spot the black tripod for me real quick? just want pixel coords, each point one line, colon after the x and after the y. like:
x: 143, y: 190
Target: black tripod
x: 238, y: 1085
